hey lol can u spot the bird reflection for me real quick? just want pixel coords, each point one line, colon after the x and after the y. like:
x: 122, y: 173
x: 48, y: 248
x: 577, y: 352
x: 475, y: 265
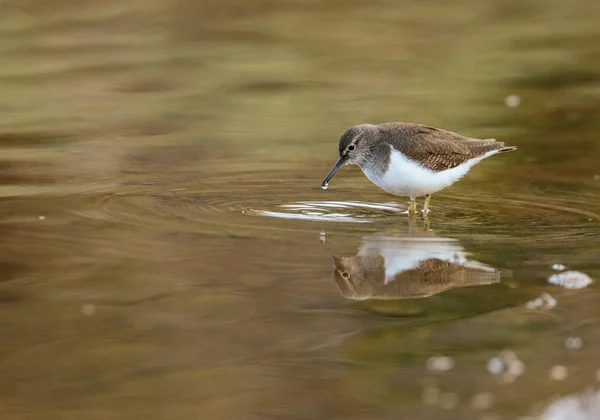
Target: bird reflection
x: 408, y: 266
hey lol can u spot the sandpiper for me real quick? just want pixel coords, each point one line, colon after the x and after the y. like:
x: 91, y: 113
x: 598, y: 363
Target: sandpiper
x: 411, y: 160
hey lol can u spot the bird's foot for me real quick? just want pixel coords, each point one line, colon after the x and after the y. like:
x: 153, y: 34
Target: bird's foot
x: 426, y: 205
x: 413, y: 206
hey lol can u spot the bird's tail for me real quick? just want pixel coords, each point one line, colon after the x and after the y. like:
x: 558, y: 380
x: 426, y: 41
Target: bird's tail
x: 508, y: 149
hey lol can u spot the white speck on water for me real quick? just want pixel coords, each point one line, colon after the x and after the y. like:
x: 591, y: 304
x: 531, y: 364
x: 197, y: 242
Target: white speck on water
x: 325, y: 185
x: 516, y: 367
x: 558, y: 373
x: 512, y: 101
x: 534, y: 304
x: 495, y: 366
x: 573, y: 343
x: 42, y: 217
x: 558, y: 267
x: 440, y: 363
x: 570, y: 280
x: 88, y: 309
x: 545, y: 301
x: 581, y: 406
x: 596, y: 177
x: 507, y: 364
x: 323, y: 237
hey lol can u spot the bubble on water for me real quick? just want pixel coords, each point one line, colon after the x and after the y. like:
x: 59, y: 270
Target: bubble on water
x: 558, y: 373
x: 534, y: 304
x: 558, y: 267
x: 581, y: 406
x: 42, y: 217
x: 516, y: 368
x: 570, y: 280
x: 495, y: 366
x: 325, y: 185
x: 440, y: 363
x: 573, y: 343
x: 512, y: 101
x: 545, y: 301
x: 507, y: 364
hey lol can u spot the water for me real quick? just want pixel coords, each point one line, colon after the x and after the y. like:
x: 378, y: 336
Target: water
x: 167, y: 250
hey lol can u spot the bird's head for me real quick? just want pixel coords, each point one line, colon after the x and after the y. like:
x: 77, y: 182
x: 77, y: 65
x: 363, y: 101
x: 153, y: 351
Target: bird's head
x: 354, y: 148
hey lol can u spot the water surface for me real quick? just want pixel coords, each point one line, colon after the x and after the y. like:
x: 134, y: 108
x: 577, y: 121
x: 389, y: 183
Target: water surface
x: 167, y: 250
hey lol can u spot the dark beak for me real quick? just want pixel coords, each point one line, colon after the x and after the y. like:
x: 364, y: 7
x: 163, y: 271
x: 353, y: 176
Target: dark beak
x: 333, y: 170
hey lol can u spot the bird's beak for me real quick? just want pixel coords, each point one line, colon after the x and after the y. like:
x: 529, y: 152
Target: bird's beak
x: 333, y: 170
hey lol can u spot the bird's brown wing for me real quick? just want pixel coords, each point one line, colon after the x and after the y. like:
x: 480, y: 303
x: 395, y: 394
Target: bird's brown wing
x: 434, y: 148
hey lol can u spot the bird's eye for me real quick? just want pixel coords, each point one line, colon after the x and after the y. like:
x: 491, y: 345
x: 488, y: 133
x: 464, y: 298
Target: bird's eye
x: 345, y: 275
x: 351, y: 147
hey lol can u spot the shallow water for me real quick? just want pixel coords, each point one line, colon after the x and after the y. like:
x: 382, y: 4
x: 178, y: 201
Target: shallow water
x: 167, y: 250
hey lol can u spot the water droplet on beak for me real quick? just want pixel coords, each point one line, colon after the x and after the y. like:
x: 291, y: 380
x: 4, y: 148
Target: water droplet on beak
x: 325, y: 185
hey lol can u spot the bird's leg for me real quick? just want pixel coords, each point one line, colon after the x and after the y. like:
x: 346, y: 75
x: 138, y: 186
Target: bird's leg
x: 413, y: 205
x: 426, y: 204
x: 412, y: 208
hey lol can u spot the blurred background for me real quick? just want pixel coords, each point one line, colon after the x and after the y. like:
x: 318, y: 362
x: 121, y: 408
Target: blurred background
x: 166, y: 251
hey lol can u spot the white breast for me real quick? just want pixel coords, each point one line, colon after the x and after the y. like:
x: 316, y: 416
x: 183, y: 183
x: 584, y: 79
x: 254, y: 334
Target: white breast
x: 408, y: 178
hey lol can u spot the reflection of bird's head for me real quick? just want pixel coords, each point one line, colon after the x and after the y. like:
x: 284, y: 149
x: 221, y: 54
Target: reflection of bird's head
x: 353, y: 275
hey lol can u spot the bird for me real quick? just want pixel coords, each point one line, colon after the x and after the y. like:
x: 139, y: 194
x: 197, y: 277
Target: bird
x: 411, y: 160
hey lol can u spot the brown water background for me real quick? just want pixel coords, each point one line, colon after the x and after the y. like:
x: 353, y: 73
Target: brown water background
x: 142, y: 142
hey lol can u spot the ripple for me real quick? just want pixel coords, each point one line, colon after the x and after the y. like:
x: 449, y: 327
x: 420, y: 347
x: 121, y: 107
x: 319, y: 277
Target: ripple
x: 252, y: 205
x: 322, y: 211
x: 556, y: 217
